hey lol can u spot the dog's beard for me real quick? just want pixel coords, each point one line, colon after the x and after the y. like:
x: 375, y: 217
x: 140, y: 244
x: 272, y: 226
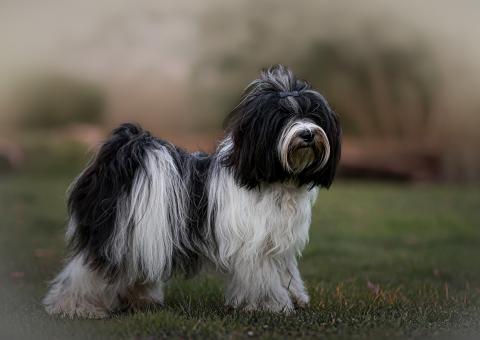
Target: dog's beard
x: 301, y: 158
x: 296, y: 155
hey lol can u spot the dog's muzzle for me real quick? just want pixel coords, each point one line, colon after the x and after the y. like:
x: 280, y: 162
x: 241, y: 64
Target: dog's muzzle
x: 303, y: 144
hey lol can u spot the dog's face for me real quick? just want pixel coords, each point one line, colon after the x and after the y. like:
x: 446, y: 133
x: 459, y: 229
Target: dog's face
x: 302, y: 144
x: 283, y: 130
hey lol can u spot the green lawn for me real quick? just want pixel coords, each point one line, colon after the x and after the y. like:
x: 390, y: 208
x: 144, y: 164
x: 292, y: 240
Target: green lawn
x: 384, y: 260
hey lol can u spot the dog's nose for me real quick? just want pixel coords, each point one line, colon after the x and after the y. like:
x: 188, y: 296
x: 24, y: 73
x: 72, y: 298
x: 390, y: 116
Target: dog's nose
x: 306, y: 135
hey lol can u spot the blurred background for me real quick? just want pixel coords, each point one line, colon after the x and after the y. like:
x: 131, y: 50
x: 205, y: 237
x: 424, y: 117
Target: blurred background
x: 404, y: 76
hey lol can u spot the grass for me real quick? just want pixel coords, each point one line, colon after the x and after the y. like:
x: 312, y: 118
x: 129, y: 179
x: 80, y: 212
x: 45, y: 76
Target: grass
x: 384, y: 260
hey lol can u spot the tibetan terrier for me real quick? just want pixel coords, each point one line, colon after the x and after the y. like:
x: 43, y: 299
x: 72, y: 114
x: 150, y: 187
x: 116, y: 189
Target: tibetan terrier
x: 144, y: 209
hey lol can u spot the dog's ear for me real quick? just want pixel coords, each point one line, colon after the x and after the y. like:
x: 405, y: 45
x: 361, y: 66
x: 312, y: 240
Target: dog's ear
x: 332, y: 129
x: 254, y: 128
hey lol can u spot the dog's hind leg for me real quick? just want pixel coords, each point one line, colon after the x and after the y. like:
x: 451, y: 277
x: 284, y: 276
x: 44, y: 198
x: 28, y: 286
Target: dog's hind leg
x: 79, y: 291
x: 154, y: 293
x: 142, y: 296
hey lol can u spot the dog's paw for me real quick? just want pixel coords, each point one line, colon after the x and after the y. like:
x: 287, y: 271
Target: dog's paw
x: 68, y: 310
x: 301, y: 299
x: 275, y: 307
x: 285, y: 307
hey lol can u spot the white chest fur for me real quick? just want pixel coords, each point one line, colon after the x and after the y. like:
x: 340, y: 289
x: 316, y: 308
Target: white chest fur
x: 270, y: 221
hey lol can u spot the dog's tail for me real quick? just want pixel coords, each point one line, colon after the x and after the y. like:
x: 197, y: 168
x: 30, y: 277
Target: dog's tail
x: 125, y: 206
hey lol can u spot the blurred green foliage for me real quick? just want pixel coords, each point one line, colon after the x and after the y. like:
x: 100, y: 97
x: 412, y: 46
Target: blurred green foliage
x: 50, y: 153
x: 379, y: 86
x: 50, y: 101
x: 378, y: 89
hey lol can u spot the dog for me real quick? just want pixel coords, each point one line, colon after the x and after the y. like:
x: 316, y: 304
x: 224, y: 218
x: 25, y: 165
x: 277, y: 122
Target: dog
x: 144, y: 209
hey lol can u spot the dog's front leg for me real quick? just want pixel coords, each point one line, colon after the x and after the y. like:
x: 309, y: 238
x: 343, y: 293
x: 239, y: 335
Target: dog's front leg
x: 256, y: 284
x: 293, y: 281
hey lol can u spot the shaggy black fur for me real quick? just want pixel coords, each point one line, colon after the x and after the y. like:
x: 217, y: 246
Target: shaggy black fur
x: 195, y: 171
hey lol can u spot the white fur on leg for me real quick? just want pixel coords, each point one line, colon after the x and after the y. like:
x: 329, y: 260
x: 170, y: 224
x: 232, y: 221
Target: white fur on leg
x: 292, y: 280
x: 258, y: 286
x: 80, y: 292
x: 259, y: 233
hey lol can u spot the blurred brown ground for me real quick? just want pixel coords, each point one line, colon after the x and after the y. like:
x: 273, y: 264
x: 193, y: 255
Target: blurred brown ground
x: 361, y: 158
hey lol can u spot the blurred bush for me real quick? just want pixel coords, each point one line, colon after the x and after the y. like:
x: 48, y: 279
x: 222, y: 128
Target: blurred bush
x: 380, y: 90
x: 389, y: 84
x: 53, y: 155
x: 55, y: 118
x: 53, y: 101
x: 380, y: 87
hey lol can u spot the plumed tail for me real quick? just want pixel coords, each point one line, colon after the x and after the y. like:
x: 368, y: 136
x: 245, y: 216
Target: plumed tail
x: 121, y: 219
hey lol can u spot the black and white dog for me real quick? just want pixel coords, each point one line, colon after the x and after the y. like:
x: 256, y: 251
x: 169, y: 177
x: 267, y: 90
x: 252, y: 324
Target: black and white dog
x: 144, y: 209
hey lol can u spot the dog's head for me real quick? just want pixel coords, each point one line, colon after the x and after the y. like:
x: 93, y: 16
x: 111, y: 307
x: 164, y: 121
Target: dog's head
x: 283, y: 130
